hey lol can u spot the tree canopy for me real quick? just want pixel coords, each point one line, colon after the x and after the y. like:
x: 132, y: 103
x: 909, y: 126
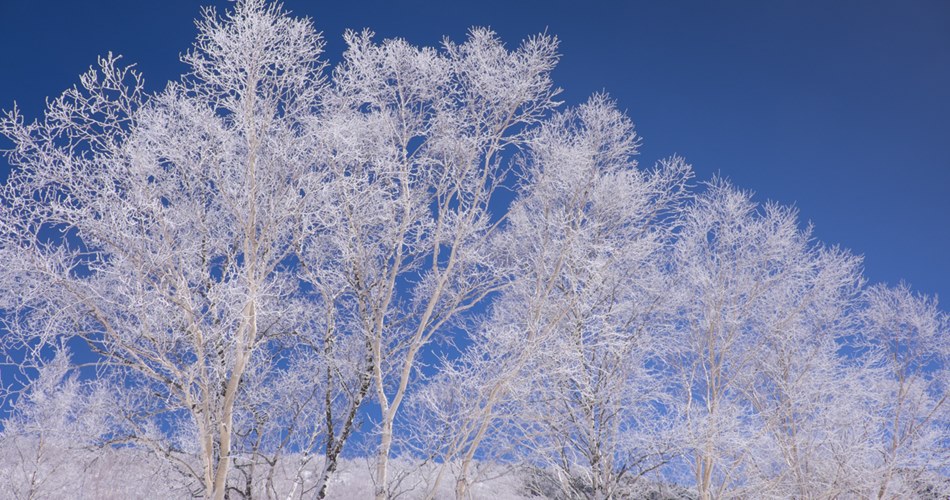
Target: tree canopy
x: 274, y: 264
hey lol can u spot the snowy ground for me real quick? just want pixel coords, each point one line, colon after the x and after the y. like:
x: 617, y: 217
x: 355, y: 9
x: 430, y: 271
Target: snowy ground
x: 32, y: 469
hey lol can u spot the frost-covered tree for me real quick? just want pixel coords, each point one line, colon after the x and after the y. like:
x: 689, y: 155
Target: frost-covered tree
x: 189, y: 235
x: 561, y: 363
x: 417, y: 139
x: 56, y: 441
x: 762, y: 308
x: 161, y: 229
x: 907, y: 338
x: 807, y: 399
x: 56, y: 414
x: 267, y: 253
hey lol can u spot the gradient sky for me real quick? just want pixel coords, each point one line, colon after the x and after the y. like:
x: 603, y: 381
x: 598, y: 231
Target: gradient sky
x: 841, y: 108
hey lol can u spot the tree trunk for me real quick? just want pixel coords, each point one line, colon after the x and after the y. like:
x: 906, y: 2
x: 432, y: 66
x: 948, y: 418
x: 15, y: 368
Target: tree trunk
x: 382, y: 464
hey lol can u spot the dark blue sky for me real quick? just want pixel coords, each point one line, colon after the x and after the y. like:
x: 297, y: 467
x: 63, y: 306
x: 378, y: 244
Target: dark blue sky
x: 842, y: 108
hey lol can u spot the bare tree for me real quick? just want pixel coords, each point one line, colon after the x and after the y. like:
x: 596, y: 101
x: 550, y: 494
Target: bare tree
x: 762, y: 307
x: 907, y: 339
x: 418, y: 139
x: 810, y: 409
x: 597, y: 389
x: 257, y: 251
x: 56, y: 414
x: 56, y: 440
x: 571, y: 332
x: 159, y: 230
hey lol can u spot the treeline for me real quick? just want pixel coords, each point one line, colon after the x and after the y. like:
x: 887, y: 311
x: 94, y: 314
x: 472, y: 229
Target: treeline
x: 271, y: 265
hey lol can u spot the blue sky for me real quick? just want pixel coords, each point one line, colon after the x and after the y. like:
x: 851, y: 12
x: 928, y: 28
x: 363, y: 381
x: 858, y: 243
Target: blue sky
x: 841, y: 108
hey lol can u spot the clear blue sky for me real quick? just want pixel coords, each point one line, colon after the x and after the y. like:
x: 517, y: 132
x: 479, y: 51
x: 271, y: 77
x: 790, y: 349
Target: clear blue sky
x: 842, y: 108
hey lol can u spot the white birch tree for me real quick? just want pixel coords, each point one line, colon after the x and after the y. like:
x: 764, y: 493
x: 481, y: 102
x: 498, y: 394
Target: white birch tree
x: 265, y: 253
x: 907, y: 338
x: 762, y: 309
x: 572, y: 332
x: 159, y: 229
x: 419, y: 137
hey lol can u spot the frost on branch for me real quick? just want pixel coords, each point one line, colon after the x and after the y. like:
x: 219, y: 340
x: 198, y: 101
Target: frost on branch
x: 274, y: 272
